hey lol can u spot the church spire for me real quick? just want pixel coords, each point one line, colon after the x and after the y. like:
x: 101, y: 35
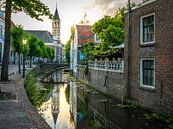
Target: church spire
x: 56, y: 15
x: 56, y: 25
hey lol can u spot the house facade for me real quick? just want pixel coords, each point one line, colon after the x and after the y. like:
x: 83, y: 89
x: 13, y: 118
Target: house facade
x: 12, y: 57
x: 148, y: 55
x: 83, y: 34
x: 2, y: 32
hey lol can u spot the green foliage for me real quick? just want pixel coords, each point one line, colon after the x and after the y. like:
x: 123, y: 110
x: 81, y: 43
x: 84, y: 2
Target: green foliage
x: 68, y: 45
x: 17, y: 34
x: 41, y: 47
x: 50, y: 53
x: 67, y: 93
x: 44, y: 53
x: 111, y: 32
x: 72, y: 32
x: 33, y: 45
x: 158, y: 116
x: 88, y: 50
x: 33, y: 8
x: 67, y: 51
x: 35, y: 91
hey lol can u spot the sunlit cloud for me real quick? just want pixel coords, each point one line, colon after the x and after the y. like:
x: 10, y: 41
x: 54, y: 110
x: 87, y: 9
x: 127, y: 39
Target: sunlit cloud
x: 110, y: 7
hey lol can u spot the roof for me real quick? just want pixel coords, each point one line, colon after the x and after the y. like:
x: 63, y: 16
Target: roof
x: 84, y: 33
x: 118, y: 46
x: 140, y: 4
x: 56, y: 15
x: 42, y: 34
x: 84, y: 27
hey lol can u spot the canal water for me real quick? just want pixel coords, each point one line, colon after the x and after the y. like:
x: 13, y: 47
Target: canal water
x: 72, y: 105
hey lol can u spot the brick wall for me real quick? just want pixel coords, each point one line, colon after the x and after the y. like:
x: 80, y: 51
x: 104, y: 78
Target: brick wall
x: 161, y: 98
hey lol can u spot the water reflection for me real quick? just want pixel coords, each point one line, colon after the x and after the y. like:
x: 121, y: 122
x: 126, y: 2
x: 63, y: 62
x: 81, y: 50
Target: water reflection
x: 56, y: 110
x: 55, y: 104
x: 75, y: 106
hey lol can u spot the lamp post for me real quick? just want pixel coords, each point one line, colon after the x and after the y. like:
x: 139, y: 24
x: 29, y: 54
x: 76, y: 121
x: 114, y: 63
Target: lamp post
x: 24, y: 43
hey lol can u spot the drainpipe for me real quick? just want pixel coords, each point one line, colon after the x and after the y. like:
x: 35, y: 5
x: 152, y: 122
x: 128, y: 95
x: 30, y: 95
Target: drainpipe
x: 129, y: 52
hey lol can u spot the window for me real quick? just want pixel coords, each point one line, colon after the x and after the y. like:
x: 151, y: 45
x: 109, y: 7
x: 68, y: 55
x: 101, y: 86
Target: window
x: 147, y: 72
x: 147, y: 26
x: 96, y: 39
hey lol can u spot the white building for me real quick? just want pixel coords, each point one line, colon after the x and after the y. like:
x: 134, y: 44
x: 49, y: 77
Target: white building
x: 83, y: 34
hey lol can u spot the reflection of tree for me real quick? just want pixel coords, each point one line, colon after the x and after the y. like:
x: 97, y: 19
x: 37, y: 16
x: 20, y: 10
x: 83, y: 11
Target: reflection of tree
x: 71, y: 117
x: 83, y: 106
x: 67, y: 93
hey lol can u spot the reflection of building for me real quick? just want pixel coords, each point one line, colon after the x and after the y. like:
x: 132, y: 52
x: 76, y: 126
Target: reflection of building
x: 55, y: 105
x: 73, y: 102
x: 52, y: 40
x: 83, y: 34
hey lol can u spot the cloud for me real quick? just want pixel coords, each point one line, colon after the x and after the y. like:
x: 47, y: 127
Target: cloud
x: 109, y: 7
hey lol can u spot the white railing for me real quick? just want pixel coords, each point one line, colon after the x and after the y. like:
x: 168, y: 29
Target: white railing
x: 116, y: 66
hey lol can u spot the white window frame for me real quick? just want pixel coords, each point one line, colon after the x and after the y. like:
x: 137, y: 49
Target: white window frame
x: 141, y: 74
x: 141, y: 29
x: 95, y: 39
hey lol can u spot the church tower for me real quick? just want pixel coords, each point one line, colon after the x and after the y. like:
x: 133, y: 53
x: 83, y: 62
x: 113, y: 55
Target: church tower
x: 56, y: 25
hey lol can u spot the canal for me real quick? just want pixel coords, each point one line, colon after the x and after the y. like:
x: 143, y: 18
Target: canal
x: 73, y: 105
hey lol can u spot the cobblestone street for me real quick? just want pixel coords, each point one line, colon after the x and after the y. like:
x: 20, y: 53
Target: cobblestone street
x: 18, y: 112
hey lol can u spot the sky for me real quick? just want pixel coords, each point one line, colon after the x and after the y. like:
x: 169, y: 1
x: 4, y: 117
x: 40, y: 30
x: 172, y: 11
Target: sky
x: 70, y: 12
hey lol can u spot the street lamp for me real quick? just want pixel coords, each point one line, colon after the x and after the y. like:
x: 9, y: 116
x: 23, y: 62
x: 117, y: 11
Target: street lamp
x: 24, y: 43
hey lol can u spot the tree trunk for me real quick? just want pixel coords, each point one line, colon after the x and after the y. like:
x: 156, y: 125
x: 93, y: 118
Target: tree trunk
x: 14, y: 57
x: 5, y: 60
x: 19, y: 63
x: 30, y: 61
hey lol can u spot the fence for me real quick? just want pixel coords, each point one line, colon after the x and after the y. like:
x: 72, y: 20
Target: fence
x: 116, y: 66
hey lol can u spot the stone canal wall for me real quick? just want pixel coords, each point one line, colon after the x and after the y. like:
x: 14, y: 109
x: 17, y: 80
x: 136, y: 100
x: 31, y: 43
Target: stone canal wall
x: 108, y: 82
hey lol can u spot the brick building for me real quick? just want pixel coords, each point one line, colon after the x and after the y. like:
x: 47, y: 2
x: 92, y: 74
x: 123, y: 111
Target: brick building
x: 83, y: 34
x: 149, y: 49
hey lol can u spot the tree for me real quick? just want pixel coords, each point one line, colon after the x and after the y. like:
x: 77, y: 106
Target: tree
x: 40, y: 50
x: 67, y: 51
x: 72, y: 32
x: 110, y: 30
x: 51, y: 53
x: 34, y: 8
x: 44, y: 53
x: 33, y: 48
x: 88, y: 51
x: 17, y: 36
x: 68, y: 45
